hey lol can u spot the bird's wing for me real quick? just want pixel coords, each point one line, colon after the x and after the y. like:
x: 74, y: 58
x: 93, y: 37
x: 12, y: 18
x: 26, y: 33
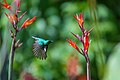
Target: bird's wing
x: 39, y: 50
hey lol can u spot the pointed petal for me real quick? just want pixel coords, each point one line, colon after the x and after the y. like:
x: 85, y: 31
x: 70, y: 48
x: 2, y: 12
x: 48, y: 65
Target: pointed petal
x: 6, y: 5
x: 90, y: 30
x: 12, y: 18
x: 22, y: 16
x: 28, y: 22
x: 24, y: 24
x: 32, y: 20
x: 73, y: 44
x: 77, y: 36
x: 20, y: 45
x: 86, y: 42
x: 76, y: 17
x: 80, y: 20
x: 9, y: 17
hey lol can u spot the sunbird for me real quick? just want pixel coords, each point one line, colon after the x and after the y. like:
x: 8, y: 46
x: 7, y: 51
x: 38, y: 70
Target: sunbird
x: 40, y: 47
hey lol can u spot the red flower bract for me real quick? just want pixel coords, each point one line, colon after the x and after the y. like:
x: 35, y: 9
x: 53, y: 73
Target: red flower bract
x: 28, y: 22
x: 80, y: 20
x: 85, y: 36
x: 12, y: 18
x: 86, y: 42
x: 6, y: 5
x: 73, y: 44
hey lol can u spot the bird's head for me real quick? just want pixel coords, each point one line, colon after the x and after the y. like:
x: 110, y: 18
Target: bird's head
x: 49, y: 41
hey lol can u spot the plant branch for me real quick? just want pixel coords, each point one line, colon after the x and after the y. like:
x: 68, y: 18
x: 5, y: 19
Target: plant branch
x: 88, y: 66
x: 11, y: 57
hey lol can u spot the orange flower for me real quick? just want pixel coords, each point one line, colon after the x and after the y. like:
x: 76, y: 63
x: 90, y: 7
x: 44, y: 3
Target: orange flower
x: 6, y: 5
x: 28, y: 22
x: 79, y: 19
x: 73, y: 44
x: 12, y: 18
x: 86, y: 42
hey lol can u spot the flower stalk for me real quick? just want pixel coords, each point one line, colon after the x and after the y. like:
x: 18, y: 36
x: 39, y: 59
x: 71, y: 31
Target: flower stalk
x: 11, y: 58
x: 14, y: 19
x: 85, y: 41
x: 88, y: 66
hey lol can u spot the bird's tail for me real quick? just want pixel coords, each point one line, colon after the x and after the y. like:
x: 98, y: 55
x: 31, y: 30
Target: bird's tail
x: 34, y: 37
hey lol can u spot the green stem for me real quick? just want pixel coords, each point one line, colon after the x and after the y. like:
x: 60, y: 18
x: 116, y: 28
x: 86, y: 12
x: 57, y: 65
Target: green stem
x: 88, y: 66
x: 11, y: 58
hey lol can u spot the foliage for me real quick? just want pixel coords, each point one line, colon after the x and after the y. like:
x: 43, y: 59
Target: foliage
x: 55, y: 22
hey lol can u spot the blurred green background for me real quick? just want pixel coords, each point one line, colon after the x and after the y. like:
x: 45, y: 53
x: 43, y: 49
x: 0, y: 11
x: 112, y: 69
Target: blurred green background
x: 55, y: 21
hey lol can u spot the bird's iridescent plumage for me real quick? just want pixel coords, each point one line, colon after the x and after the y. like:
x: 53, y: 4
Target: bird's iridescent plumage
x: 40, y: 47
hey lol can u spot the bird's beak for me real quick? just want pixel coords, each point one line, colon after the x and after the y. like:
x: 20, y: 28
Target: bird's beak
x: 51, y: 41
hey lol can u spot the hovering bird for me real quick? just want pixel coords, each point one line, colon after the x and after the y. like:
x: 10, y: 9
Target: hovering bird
x: 40, y: 47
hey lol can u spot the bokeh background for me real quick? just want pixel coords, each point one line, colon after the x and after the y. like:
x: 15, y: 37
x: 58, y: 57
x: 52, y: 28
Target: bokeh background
x: 55, y: 21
